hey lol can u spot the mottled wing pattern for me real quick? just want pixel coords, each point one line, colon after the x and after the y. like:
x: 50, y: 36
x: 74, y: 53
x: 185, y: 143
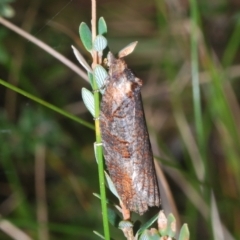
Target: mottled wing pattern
x: 126, y: 145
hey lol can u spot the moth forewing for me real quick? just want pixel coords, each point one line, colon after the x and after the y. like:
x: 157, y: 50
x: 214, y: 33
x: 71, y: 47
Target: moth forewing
x: 126, y: 145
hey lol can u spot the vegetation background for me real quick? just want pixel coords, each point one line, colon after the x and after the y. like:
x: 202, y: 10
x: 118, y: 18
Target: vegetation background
x: 47, y: 166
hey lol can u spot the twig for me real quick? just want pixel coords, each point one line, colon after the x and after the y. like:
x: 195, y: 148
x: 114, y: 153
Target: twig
x: 94, y: 31
x: 12, y: 231
x: 45, y: 47
x: 17, y: 61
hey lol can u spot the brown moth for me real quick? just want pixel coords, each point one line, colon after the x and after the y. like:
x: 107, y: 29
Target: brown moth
x: 126, y: 145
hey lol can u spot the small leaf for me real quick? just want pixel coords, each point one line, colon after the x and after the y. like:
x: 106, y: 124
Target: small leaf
x: 111, y: 185
x: 107, y: 201
x: 86, y: 36
x: 100, y: 76
x: 102, y: 26
x: 97, y: 195
x: 99, y: 235
x: 125, y: 224
x: 113, y: 217
x: 127, y: 50
x: 100, y: 43
x: 184, y: 233
x: 90, y: 77
x: 148, y: 224
x: 151, y: 234
x: 88, y: 100
x: 81, y: 59
x: 95, y: 151
x: 162, y: 223
x: 171, y: 225
x: 7, y: 11
x: 145, y: 235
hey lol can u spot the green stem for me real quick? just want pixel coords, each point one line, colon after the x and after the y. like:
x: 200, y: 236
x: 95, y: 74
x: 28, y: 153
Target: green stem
x: 46, y: 104
x: 99, y: 156
x: 99, y: 151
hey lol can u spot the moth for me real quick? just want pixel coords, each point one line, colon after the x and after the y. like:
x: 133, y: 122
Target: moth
x: 126, y: 145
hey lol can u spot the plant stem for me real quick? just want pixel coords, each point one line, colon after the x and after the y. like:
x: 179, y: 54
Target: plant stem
x: 94, y: 31
x: 99, y: 152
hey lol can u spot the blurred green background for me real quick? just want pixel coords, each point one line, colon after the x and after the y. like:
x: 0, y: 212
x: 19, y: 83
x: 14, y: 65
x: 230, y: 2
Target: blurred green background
x: 47, y: 166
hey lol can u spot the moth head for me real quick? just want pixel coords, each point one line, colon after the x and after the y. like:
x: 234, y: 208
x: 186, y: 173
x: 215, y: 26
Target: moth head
x: 116, y: 65
x: 110, y: 59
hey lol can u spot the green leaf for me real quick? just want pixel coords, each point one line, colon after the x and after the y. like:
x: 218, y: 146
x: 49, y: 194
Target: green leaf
x: 81, y: 59
x: 100, y: 43
x: 113, y: 217
x: 99, y: 235
x: 148, y: 224
x: 86, y: 36
x: 97, y: 195
x: 95, y: 151
x: 184, y: 233
x: 91, y: 79
x: 171, y: 225
x: 145, y: 235
x: 102, y: 26
x: 162, y: 223
x: 150, y: 235
x: 125, y: 224
x: 88, y: 100
x: 6, y: 11
x: 100, y: 76
x: 111, y: 185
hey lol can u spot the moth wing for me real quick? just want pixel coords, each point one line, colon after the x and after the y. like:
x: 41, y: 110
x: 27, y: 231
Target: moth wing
x: 117, y: 154
x: 126, y: 145
x: 144, y: 176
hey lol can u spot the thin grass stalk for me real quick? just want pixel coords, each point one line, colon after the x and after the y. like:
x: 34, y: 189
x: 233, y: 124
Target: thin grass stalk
x: 226, y: 125
x: 12, y: 230
x: 17, y: 61
x: 232, y: 46
x: 99, y: 151
x: 46, y: 104
x: 195, y: 78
